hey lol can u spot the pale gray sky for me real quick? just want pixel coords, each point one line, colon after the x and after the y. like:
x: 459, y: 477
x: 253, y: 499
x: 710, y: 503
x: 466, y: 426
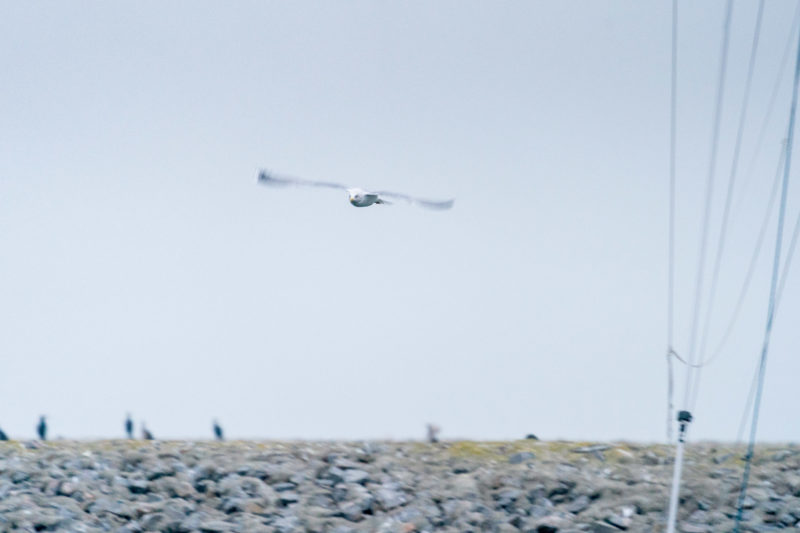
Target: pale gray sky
x: 142, y: 269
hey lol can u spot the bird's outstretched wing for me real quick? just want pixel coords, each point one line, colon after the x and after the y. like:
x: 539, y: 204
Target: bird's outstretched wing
x: 430, y: 204
x: 267, y: 178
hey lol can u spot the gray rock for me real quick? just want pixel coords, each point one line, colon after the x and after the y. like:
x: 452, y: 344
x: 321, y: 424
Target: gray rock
x: 689, y: 527
x: 159, y: 470
x: 540, y: 511
x: 618, y: 521
x: 548, y: 524
x: 355, y: 476
x: 335, y: 474
x: 783, y: 455
x: 175, y: 488
x: 559, y: 493
x: 321, y: 500
x: 719, y: 459
x: 288, y: 524
x: 787, y: 520
x: 107, y: 506
x: 454, y: 508
x: 579, y: 504
x: 344, y: 463
x: 65, y: 488
x: 389, y: 498
x: 592, y: 449
x: 247, y: 487
x: 288, y: 497
x: 651, y: 459
x: 352, y: 511
x: 507, y: 497
x: 520, y: 457
x: 138, y: 486
x: 154, y: 522
x: 343, y: 529
x: 215, y: 526
x: 46, y: 520
x: 355, y: 500
x: 131, y: 527
x: 461, y: 487
x: 19, y: 476
x: 602, y: 527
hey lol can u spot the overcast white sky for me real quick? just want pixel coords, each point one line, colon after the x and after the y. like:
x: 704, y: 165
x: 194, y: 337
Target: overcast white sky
x: 142, y: 269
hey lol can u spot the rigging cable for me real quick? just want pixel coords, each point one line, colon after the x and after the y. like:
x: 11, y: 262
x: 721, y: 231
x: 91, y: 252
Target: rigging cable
x: 728, y: 198
x: 709, y: 192
x: 787, y: 263
x: 748, y: 176
x: 772, y: 295
x: 685, y: 417
x: 747, y: 406
x: 781, y: 284
x: 770, y: 204
x: 762, y: 232
x: 671, y: 238
x: 771, y: 106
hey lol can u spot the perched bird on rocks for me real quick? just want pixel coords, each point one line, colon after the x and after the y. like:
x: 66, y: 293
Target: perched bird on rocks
x: 41, y: 428
x: 146, y: 433
x: 433, y: 433
x: 218, y: 431
x: 3, y: 435
x: 358, y: 197
x: 129, y: 426
x: 531, y: 436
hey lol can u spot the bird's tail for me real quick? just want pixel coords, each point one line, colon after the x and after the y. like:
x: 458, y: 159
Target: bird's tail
x: 382, y: 201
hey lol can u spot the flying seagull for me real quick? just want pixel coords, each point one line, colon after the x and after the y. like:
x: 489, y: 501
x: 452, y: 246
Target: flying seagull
x: 358, y: 197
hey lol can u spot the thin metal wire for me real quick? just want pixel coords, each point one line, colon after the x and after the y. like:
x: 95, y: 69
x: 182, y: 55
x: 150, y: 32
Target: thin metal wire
x: 773, y: 194
x: 781, y: 284
x: 787, y: 52
x: 788, y: 263
x: 671, y: 246
x: 772, y: 295
x: 709, y: 195
x: 753, y: 259
x: 747, y: 406
x: 676, y: 477
x: 728, y: 197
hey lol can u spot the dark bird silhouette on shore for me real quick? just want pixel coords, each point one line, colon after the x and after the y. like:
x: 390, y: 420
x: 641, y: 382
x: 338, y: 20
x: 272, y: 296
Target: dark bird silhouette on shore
x: 146, y: 433
x: 129, y: 426
x: 3, y: 435
x: 218, y: 431
x: 41, y: 428
x: 531, y: 436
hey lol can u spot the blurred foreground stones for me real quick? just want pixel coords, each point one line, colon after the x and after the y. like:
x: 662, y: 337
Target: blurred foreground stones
x: 277, y: 487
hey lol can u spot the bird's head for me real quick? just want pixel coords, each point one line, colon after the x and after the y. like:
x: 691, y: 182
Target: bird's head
x: 355, y: 194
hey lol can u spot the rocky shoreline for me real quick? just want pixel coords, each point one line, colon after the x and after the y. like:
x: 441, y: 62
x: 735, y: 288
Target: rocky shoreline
x: 403, y: 487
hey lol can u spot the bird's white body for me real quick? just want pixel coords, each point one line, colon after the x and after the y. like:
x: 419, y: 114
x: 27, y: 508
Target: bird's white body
x: 362, y: 198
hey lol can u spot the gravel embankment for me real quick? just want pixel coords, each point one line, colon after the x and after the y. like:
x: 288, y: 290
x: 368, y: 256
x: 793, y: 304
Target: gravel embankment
x: 530, y: 486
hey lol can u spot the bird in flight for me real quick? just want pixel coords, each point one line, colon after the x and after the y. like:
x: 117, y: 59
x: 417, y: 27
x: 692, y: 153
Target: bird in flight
x: 358, y: 197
